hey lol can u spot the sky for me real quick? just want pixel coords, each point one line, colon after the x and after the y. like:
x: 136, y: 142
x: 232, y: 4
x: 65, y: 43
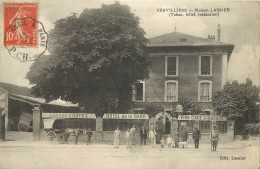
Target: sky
x: 240, y: 26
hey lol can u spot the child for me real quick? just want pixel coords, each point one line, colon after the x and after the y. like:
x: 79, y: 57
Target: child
x: 162, y: 142
x: 169, y: 141
x: 127, y: 138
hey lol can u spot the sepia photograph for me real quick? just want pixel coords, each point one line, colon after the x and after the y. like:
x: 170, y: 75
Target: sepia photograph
x: 129, y: 84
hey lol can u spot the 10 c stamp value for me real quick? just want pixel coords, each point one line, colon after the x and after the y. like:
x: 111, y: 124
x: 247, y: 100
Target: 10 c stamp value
x: 25, y: 37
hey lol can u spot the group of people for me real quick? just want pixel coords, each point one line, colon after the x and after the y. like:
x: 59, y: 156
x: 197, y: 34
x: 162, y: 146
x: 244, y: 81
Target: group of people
x: 130, y: 136
x: 179, y: 140
x: 87, y: 133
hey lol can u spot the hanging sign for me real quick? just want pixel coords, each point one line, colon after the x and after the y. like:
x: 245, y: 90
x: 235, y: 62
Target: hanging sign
x: 202, y: 118
x: 69, y: 115
x: 125, y: 116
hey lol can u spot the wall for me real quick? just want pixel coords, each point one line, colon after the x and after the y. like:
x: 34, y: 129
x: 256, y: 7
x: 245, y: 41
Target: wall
x: 188, y: 73
x: 188, y: 77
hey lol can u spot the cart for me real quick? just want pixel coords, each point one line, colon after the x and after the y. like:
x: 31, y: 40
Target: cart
x: 60, y: 136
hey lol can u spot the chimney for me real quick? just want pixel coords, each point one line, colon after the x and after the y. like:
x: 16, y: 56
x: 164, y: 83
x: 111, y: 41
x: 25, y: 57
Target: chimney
x: 218, y: 33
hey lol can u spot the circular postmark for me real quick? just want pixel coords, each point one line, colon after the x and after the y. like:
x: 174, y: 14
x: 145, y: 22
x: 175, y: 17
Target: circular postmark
x: 26, y: 39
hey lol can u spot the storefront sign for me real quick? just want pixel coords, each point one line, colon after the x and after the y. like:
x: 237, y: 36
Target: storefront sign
x: 69, y: 115
x: 125, y: 116
x: 202, y: 118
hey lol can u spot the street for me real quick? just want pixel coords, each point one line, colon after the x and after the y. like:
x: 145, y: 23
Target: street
x: 42, y: 155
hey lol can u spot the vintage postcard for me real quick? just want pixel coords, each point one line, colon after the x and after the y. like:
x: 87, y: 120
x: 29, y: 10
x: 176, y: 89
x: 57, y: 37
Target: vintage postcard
x: 129, y: 84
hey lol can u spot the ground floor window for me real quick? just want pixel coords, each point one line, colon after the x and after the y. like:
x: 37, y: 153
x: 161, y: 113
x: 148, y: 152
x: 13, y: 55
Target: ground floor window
x: 188, y: 124
x: 124, y: 124
x: 75, y: 123
x: 204, y: 126
x: 222, y: 127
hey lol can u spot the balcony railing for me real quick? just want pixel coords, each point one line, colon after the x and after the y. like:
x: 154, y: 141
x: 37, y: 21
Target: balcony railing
x: 204, y: 98
x: 171, y: 98
x: 170, y: 72
x: 205, y: 72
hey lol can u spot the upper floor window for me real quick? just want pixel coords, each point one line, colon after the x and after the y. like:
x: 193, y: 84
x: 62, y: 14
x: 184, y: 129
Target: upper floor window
x: 205, y: 63
x: 205, y: 91
x: 139, y: 91
x: 171, y: 91
x: 171, y: 65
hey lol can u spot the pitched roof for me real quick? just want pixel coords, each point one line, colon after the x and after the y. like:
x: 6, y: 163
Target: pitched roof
x: 24, y: 93
x: 14, y: 89
x: 42, y: 101
x: 181, y: 39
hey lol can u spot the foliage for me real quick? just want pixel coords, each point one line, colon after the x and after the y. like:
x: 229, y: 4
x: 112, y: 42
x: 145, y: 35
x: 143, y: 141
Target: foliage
x: 94, y: 59
x: 153, y: 110
x: 250, y: 129
x: 238, y: 102
x: 189, y: 106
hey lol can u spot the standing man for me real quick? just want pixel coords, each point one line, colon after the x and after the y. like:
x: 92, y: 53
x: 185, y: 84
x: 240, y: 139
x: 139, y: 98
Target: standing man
x: 77, y: 135
x: 127, y: 138
x: 158, y: 133
x: 152, y: 136
x: 143, y: 135
x: 89, y: 134
x: 132, y: 133
x: 117, y: 134
x: 196, y: 137
x: 214, y: 138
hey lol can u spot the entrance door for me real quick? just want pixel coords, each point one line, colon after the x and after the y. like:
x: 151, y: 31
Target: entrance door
x: 167, y: 126
x: 159, y: 129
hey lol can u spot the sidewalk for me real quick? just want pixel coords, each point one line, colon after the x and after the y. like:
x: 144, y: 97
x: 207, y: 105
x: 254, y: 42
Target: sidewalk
x: 231, y: 145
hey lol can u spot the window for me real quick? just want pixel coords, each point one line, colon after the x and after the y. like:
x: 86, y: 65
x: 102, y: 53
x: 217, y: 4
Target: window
x: 171, y: 91
x: 139, y: 91
x: 205, y: 68
x: 171, y: 65
x: 222, y: 127
x: 188, y: 124
x: 205, y: 91
x: 204, y: 126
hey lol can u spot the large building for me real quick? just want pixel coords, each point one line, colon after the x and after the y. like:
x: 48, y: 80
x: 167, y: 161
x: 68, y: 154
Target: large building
x: 183, y: 66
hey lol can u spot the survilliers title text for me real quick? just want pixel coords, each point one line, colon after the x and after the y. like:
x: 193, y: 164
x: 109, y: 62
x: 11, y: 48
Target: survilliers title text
x: 194, y: 12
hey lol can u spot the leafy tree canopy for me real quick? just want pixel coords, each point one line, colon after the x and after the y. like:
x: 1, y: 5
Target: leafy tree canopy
x: 238, y: 102
x: 94, y: 59
x: 189, y: 107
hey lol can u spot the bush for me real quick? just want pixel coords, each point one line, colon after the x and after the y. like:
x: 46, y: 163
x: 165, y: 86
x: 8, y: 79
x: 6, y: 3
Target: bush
x: 250, y: 129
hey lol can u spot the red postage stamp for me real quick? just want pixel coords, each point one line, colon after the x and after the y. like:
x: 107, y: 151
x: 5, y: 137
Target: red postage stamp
x: 20, y: 24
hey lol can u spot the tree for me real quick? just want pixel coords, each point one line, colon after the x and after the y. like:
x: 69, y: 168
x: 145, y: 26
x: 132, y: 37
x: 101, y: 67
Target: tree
x: 94, y: 60
x: 189, y: 106
x: 238, y: 102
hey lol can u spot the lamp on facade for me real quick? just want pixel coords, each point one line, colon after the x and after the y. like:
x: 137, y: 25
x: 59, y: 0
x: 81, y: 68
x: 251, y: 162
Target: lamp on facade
x: 179, y: 108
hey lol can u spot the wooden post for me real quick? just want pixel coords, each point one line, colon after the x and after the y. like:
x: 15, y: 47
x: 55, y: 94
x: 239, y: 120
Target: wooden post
x: 36, y: 123
x: 174, y: 126
x: 99, y: 129
x: 2, y: 125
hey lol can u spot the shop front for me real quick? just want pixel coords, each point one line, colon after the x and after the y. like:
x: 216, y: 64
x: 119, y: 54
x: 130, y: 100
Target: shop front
x: 124, y: 122
x: 205, y: 124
